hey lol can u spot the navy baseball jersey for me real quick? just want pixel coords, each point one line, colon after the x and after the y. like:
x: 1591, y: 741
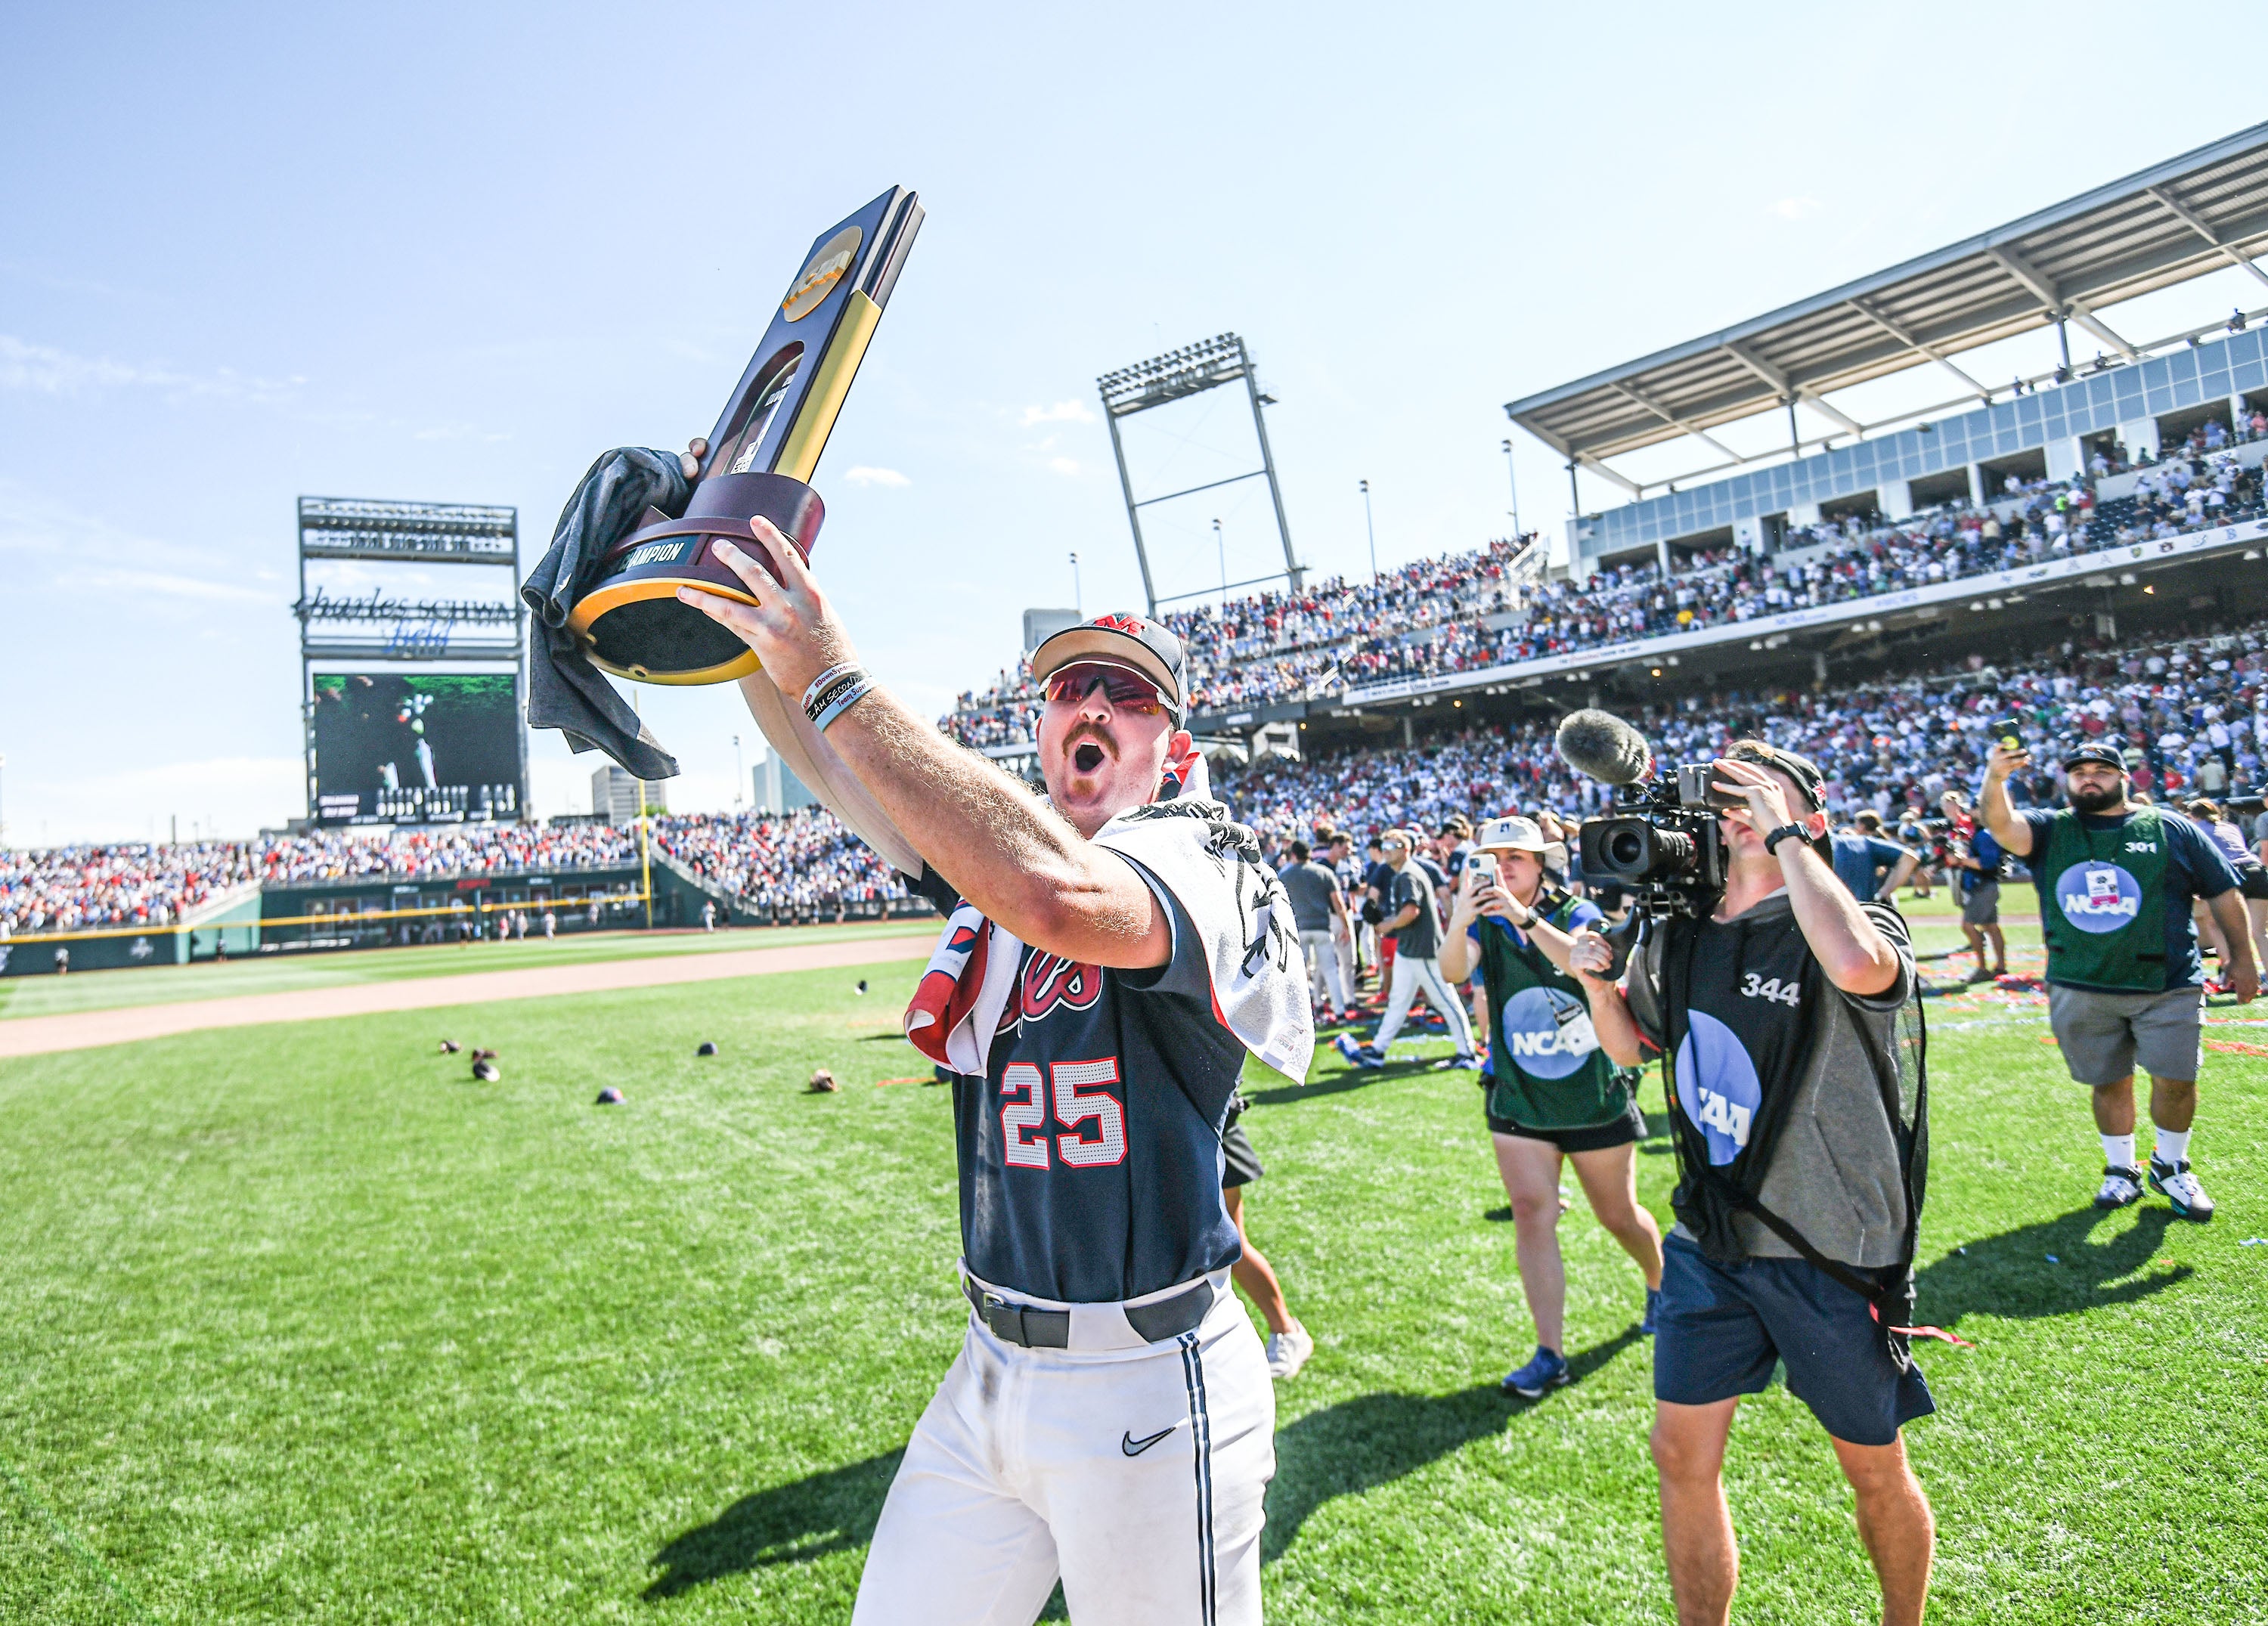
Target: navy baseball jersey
x: 1090, y: 1152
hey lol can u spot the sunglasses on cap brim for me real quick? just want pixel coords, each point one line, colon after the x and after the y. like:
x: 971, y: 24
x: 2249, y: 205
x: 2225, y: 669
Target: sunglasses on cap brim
x: 1125, y: 688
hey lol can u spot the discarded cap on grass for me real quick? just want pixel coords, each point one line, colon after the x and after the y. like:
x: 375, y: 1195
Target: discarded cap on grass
x: 610, y: 1097
x: 821, y: 1082
x: 486, y: 1070
x: 450, y: 1047
x: 862, y: 985
x: 708, y: 1047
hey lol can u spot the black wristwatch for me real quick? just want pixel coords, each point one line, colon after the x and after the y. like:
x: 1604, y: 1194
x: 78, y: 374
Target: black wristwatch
x: 1810, y: 829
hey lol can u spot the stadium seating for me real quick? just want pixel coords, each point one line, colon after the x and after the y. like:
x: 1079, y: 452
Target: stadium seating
x: 1434, y: 616
x: 804, y: 860
x: 799, y: 861
x: 1889, y: 747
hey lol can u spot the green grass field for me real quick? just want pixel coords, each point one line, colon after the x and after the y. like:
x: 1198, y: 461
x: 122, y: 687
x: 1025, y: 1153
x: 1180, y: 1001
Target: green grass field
x: 301, y: 1324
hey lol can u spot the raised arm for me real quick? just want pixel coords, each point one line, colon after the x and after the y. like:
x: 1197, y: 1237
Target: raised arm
x: 1851, y: 949
x: 2013, y: 833
x: 1002, y: 848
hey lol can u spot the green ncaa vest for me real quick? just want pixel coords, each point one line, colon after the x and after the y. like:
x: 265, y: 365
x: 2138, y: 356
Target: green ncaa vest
x: 2102, y: 903
x: 1548, y: 1071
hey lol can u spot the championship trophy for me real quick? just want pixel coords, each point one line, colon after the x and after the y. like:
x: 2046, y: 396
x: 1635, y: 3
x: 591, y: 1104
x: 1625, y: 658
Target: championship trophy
x: 763, y: 449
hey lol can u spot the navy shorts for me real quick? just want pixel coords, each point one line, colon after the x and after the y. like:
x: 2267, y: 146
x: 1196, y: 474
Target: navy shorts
x: 1720, y: 1327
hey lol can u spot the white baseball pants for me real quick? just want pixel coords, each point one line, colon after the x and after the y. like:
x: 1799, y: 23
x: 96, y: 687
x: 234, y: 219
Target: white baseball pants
x: 1413, y: 977
x: 1325, y: 970
x: 1136, y: 1474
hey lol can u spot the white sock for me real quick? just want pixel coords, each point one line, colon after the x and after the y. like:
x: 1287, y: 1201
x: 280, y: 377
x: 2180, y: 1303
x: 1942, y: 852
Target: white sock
x: 2173, y: 1146
x: 2118, y: 1151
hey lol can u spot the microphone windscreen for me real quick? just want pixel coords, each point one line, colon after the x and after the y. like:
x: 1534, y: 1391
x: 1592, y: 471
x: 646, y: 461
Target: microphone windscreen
x: 1600, y: 746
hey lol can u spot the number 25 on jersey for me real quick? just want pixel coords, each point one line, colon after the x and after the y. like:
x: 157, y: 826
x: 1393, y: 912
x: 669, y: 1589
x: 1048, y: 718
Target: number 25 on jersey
x: 1079, y: 1099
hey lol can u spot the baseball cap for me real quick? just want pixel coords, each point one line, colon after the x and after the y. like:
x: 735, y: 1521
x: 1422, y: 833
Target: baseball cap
x: 2095, y: 750
x: 1794, y: 764
x: 1511, y: 833
x: 1122, y: 639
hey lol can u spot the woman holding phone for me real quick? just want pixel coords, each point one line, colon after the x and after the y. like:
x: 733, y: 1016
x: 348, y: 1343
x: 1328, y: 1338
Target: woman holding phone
x: 1552, y: 1093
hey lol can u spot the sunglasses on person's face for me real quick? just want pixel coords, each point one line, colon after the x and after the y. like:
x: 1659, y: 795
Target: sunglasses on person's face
x: 1125, y: 690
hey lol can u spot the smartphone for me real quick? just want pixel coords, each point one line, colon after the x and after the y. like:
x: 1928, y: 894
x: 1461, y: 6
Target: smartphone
x: 2007, y: 731
x: 1481, y: 867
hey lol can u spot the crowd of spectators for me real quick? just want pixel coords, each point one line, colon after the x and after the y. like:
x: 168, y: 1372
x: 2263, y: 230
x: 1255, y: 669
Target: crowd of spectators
x: 1463, y: 612
x: 804, y: 860
x: 801, y: 861
x: 2192, y: 716
x: 136, y: 884
x: 417, y: 854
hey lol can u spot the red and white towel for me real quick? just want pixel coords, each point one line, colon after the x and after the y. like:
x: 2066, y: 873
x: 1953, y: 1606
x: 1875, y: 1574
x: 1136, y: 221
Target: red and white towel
x: 1213, y: 866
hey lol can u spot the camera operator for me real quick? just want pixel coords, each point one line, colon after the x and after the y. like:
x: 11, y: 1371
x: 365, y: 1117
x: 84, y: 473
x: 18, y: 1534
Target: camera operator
x: 2125, y: 982
x: 1552, y: 1093
x: 1796, y: 1108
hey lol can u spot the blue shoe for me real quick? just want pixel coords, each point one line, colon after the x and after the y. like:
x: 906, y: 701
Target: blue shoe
x: 1360, y: 1055
x: 1547, y: 1371
x: 1652, y: 1310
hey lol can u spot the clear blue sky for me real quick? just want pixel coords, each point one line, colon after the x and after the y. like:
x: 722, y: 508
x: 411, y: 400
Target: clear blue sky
x: 453, y: 252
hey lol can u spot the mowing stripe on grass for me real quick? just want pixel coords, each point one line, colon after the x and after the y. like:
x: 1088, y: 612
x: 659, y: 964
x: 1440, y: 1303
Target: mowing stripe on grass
x: 72, y: 1544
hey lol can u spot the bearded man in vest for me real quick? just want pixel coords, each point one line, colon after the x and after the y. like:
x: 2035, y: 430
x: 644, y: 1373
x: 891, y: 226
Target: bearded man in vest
x: 2125, y: 982
x: 1552, y: 1093
x: 1784, y: 1014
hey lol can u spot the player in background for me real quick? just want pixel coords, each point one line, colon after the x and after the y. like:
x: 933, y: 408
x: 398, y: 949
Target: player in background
x: 1975, y: 861
x: 1353, y: 952
x: 1416, y: 928
x: 1321, y: 914
x: 2125, y: 982
x: 1377, y: 882
x: 1109, y: 960
x: 1552, y: 1093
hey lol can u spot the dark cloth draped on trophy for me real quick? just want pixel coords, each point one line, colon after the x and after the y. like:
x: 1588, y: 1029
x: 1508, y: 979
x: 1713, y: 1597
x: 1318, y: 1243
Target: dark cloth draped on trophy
x: 564, y: 690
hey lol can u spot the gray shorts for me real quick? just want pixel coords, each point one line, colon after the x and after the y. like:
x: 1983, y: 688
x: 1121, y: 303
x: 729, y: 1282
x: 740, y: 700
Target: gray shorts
x: 1981, y: 906
x: 2104, y: 1036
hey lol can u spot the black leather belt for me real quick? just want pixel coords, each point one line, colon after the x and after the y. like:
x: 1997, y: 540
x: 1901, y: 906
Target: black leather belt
x: 1050, y: 1329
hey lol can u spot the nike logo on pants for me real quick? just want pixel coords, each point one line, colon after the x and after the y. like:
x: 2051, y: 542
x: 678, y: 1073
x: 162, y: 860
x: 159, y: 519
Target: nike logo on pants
x: 1134, y: 1447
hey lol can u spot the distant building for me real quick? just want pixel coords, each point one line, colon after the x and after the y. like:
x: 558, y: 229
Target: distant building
x: 1040, y: 625
x: 778, y: 789
x: 615, y: 796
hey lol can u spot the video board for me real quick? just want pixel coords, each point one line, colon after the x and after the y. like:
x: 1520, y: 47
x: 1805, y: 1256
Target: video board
x: 416, y: 749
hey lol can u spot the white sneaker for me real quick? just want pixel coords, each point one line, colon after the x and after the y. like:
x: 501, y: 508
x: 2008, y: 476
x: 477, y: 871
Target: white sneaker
x: 2180, y: 1188
x: 2120, y: 1188
x: 1288, y: 1351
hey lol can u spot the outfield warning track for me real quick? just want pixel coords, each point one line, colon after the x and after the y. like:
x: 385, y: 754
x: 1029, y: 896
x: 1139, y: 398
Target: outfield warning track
x: 83, y: 1030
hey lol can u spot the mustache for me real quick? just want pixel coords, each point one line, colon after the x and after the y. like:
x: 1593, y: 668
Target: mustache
x: 1081, y: 731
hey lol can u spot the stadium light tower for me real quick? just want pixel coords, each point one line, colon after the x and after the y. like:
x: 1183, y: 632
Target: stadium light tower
x: 1176, y: 376
x: 1369, y: 529
x: 1513, y: 470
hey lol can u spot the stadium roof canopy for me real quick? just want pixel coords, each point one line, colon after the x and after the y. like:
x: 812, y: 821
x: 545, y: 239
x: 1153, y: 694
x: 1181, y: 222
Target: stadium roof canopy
x: 2200, y: 212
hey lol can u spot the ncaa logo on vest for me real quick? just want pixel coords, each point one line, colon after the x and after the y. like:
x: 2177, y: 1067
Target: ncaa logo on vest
x: 1547, y: 1032
x: 2095, y: 896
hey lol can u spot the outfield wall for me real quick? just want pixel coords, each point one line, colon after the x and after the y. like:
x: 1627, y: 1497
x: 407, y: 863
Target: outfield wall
x: 387, y: 912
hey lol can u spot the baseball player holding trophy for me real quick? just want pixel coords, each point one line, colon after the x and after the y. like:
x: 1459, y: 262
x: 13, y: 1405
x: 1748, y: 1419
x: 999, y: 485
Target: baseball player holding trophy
x: 1112, y: 954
